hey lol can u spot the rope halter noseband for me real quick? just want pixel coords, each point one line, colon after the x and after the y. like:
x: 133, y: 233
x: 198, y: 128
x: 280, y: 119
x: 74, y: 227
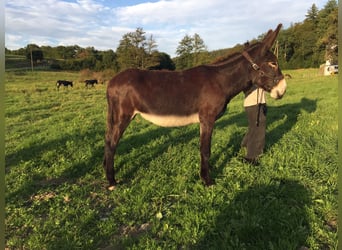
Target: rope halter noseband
x: 261, y: 72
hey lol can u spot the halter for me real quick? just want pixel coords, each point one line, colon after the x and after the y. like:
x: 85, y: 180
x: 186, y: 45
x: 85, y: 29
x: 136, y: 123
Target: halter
x: 257, y: 68
x: 262, y: 73
x: 250, y: 60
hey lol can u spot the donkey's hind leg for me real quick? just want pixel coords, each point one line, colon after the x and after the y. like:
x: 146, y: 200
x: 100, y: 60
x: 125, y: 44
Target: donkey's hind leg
x: 115, y: 129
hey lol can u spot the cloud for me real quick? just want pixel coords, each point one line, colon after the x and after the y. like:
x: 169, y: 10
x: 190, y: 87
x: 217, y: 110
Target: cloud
x: 176, y: 12
x: 44, y: 17
x: 220, y: 23
x: 51, y: 19
x: 102, y: 24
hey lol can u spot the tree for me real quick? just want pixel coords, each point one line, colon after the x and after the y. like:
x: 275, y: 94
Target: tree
x: 311, y: 42
x: 125, y: 54
x: 184, y: 51
x: 163, y: 61
x: 151, y: 45
x: 135, y: 51
x: 109, y: 60
x: 152, y: 55
x: 138, y: 40
x: 328, y: 30
x: 199, y: 49
x: 312, y: 14
x: 34, y: 53
x: 191, y: 52
x: 66, y: 52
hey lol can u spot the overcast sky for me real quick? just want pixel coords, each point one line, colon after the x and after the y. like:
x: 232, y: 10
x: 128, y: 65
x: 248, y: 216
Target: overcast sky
x: 101, y: 24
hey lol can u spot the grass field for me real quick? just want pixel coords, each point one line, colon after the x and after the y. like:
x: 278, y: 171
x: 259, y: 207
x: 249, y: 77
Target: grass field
x: 56, y: 196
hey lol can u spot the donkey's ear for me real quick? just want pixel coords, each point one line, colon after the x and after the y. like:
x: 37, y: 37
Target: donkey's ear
x: 246, y: 45
x: 270, y: 38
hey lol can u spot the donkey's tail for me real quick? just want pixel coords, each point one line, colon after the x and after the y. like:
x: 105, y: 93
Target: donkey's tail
x: 109, y: 128
x: 110, y: 113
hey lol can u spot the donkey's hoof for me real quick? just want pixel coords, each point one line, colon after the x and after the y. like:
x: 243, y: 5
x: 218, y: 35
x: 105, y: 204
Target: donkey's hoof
x: 252, y: 161
x: 208, y: 182
x: 111, y: 188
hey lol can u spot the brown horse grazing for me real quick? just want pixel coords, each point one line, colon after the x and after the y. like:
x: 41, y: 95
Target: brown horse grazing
x: 197, y: 95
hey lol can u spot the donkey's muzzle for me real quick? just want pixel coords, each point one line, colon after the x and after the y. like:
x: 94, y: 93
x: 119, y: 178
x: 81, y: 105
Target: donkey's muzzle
x: 279, y: 90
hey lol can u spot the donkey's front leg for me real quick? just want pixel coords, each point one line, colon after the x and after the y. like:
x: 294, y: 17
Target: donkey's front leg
x: 206, y: 130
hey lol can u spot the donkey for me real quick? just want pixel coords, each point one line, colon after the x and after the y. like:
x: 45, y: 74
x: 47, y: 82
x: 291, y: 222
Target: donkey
x: 197, y: 95
x: 64, y: 83
x: 90, y: 82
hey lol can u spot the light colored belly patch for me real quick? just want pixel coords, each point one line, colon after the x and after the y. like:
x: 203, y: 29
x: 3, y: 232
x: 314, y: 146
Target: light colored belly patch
x: 170, y: 120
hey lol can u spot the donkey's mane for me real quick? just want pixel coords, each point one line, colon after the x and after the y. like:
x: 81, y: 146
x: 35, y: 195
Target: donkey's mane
x: 233, y: 56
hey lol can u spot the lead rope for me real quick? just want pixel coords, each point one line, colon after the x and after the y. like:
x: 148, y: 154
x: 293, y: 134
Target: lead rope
x: 259, y: 106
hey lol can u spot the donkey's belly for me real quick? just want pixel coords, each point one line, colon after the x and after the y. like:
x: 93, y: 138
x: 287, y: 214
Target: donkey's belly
x: 171, y: 120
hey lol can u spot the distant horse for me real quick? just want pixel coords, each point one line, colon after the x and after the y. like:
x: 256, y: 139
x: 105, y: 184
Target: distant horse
x: 197, y: 95
x: 64, y: 83
x: 90, y: 82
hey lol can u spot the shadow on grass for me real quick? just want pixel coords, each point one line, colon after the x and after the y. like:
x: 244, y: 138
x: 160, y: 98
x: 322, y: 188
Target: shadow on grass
x: 288, y: 111
x: 31, y: 157
x: 38, y: 181
x: 262, y: 217
x: 272, y: 215
x: 140, y: 141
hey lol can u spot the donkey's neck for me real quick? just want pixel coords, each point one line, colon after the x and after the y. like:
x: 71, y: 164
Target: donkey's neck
x: 237, y: 77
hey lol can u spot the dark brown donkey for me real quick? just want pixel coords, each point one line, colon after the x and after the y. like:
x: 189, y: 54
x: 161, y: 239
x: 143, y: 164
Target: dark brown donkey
x: 197, y: 95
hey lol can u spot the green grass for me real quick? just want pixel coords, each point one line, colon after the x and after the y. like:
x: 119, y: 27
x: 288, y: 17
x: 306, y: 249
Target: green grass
x: 56, y: 196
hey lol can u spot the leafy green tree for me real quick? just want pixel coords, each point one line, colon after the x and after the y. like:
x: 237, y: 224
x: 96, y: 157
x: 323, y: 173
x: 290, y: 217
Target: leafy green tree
x: 199, y: 50
x: 163, y: 61
x: 311, y: 42
x: 34, y: 53
x: 312, y: 14
x: 151, y: 45
x: 152, y: 55
x: 184, y: 52
x: 328, y: 30
x: 135, y: 51
x: 48, y: 51
x: 125, y: 53
x: 109, y: 60
x: 191, y: 51
x: 138, y: 40
x: 66, y: 52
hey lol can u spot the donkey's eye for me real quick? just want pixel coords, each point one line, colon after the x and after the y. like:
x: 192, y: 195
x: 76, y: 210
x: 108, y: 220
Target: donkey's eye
x: 273, y: 64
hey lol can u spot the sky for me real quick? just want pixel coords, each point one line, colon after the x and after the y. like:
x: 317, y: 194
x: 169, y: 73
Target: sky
x: 102, y: 23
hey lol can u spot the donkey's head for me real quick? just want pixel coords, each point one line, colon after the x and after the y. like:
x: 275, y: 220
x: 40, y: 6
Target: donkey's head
x: 265, y: 69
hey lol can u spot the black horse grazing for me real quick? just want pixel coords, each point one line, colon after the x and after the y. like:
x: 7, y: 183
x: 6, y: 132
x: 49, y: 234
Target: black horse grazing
x: 64, y: 83
x: 90, y: 82
x: 197, y: 95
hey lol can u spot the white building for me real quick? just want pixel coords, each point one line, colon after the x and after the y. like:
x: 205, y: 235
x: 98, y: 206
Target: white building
x: 329, y: 69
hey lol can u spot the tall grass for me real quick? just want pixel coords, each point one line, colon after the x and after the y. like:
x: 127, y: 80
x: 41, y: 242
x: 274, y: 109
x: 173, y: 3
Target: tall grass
x: 56, y: 196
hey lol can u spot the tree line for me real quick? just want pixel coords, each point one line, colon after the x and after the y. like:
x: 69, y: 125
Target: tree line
x: 313, y: 41
x: 305, y: 44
